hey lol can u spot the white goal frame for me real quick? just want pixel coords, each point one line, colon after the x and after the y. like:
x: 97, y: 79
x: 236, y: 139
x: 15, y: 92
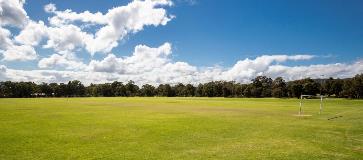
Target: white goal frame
x: 302, y: 97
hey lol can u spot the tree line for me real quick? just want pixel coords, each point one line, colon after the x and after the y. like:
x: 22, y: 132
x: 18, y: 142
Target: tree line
x: 260, y: 86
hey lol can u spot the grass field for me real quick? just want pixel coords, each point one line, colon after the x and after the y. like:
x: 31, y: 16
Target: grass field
x: 179, y: 128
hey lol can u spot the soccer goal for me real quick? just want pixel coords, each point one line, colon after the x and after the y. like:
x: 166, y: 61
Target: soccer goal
x: 302, y: 100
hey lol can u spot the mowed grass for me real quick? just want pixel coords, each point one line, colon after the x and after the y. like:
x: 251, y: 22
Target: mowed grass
x: 179, y: 128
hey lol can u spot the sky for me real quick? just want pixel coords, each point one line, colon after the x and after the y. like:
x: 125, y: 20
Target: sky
x: 172, y: 41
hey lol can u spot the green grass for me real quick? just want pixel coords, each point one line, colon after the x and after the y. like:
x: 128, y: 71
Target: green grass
x: 179, y: 128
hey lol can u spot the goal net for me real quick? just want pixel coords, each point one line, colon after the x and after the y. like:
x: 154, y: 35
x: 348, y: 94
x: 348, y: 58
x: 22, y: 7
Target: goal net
x: 303, y: 99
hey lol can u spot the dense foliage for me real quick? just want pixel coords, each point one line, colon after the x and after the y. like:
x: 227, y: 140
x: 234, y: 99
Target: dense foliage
x: 261, y: 86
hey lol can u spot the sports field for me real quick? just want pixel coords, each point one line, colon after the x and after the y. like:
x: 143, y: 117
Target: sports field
x: 179, y: 128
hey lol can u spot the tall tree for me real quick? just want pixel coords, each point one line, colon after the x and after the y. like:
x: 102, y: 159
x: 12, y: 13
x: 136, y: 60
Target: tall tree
x: 118, y: 89
x: 199, y: 90
x: 147, y: 90
x: 46, y: 89
x: 295, y: 89
x: 75, y: 88
x: 165, y: 90
x: 208, y: 90
x: 261, y: 86
x: 279, y: 88
x: 357, y: 84
x: 131, y: 89
x: 337, y: 87
x: 180, y: 90
x: 190, y: 90
x: 228, y: 89
x: 247, y: 92
x: 311, y: 87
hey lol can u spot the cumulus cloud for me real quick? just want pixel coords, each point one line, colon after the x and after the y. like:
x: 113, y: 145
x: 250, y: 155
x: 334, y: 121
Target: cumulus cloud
x: 12, y: 13
x: 68, y: 16
x: 175, y: 72
x: 3, y: 72
x: 117, y: 23
x: 65, y: 34
x: 50, y: 8
x: 327, y: 70
x: 32, y: 34
x: 66, y: 38
x: 5, y: 40
x: 147, y: 65
x: 39, y: 76
x: 154, y: 65
x: 245, y: 70
x: 143, y: 59
x: 66, y: 60
x: 110, y: 64
x: 19, y: 53
x: 14, y: 52
x: 125, y: 19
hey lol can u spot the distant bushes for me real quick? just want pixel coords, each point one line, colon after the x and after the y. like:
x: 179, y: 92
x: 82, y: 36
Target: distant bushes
x: 261, y: 86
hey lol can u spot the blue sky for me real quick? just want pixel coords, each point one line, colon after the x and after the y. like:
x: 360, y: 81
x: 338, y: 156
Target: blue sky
x: 206, y: 33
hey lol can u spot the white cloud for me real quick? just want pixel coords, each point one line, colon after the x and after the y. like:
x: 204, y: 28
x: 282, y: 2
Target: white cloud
x: 125, y: 19
x: 5, y: 40
x: 12, y: 13
x: 66, y: 35
x: 66, y: 38
x: 300, y: 57
x: 19, y: 53
x: 115, y: 24
x: 32, y: 34
x: 113, y: 68
x: 50, y: 8
x: 247, y: 69
x: 39, y: 76
x: 67, y: 60
x: 110, y: 64
x: 68, y: 16
x: 342, y: 70
x: 14, y: 52
x: 147, y: 65
x: 144, y: 59
x: 3, y: 72
x: 154, y: 66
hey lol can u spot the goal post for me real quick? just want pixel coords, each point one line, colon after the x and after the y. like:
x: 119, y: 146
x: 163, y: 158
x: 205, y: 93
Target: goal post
x: 321, y: 104
x: 302, y: 97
